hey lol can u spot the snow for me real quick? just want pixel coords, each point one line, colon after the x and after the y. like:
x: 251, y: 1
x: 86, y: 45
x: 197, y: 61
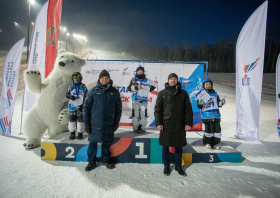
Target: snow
x: 24, y: 174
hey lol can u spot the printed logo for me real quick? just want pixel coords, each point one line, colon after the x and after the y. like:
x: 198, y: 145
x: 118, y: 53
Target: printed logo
x: 3, y: 124
x: 51, y: 35
x: 7, y: 101
x: 88, y: 72
x: 125, y: 73
x: 247, y: 69
x: 93, y: 72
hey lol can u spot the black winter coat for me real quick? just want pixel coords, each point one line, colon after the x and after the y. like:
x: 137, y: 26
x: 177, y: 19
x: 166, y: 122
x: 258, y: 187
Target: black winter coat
x: 173, y: 111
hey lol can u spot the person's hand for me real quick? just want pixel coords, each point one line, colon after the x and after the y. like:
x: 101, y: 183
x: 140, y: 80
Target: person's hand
x: 160, y: 127
x: 156, y: 81
x: 68, y: 95
x: 223, y: 101
x: 88, y: 127
x: 187, y: 128
x: 115, y: 126
x: 72, y: 97
x: 139, y: 86
x: 201, y: 102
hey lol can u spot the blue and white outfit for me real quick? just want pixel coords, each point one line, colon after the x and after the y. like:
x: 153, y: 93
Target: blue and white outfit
x: 140, y: 99
x: 76, y: 107
x: 211, y: 116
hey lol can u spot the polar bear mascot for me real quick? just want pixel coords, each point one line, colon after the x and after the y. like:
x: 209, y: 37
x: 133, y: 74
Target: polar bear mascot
x: 51, y: 111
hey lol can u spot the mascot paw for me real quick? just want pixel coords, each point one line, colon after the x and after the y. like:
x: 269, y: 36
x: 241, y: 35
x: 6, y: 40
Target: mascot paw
x: 63, y: 117
x: 32, y: 143
x: 32, y: 72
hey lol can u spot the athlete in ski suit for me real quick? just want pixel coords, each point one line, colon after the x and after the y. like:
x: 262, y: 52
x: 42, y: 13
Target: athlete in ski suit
x: 211, y: 116
x: 76, y: 93
x: 140, y: 86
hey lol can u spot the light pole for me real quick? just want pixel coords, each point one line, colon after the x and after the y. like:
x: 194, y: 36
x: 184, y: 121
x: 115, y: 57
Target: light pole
x: 32, y: 2
x: 67, y: 39
x: 64, y: 30
x: 15, y: 30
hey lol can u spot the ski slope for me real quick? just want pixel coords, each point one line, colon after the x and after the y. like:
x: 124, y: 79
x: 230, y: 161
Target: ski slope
x: 24, y: 174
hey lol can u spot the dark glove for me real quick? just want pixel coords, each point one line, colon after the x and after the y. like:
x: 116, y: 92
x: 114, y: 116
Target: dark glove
x: 72, y: 97
x: 88, y: 127
x: 68, y: 95
x: 115, y: 126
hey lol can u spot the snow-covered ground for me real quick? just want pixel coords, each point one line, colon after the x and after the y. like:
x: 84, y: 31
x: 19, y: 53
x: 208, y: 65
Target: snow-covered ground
x: 24, y: 174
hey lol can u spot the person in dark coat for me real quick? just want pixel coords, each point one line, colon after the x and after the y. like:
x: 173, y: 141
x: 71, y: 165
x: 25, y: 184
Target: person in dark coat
x: 102, y: 113
x: 173, y: 117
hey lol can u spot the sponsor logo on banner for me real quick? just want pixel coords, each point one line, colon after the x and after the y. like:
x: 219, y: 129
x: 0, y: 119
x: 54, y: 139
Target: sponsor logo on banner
x: 10, y: 74
x: 112, y: 70
x: 125, y: 73
x: 247, y: 69
x: 51, y: 35
x: 7, y: 101
x: 278, y: 127
x: 93, y: 72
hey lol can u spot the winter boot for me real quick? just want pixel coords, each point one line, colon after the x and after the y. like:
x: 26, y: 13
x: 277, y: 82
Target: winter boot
x: 136, y: 131
x: 166, y: 171
x: 139, y: 128
x: 72, y: 136
x: 217, y: 147
x: 142, y: 131
x: 90, y: 166
x: 109, y: 165
x: 181, y: 171
x: 80, y: 136
x: 208, y: 146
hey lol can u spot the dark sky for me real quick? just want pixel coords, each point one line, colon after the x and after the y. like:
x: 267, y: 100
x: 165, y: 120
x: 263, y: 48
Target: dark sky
x: 114, y: 25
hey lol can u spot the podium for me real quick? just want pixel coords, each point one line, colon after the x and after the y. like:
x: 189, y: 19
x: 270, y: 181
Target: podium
x: 135, y: 148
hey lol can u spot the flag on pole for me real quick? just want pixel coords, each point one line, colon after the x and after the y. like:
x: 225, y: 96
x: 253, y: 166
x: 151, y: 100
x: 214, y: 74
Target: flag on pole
x: 36, y: 58
x: 278, y: 93
x: 53, y: 28
x: 9, y: 87
x: 249, y: 74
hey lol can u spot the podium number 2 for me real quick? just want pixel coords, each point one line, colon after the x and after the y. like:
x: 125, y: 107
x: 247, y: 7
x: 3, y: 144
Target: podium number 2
x: 70, y: 155
x: 141, y: 151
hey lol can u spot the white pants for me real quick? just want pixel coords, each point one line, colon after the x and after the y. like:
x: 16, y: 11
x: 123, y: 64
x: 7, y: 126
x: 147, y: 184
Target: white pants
x: 80, y: 127
x: 139, y: 110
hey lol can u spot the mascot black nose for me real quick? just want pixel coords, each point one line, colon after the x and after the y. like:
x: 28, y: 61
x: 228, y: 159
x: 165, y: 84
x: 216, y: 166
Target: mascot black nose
x: 62, y: 64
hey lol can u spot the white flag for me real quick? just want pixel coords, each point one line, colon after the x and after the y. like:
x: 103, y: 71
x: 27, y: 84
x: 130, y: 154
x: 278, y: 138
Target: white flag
x: 9, y: 87
x: 249, y: 74
x: 36, y: 58
x: 278, y: 93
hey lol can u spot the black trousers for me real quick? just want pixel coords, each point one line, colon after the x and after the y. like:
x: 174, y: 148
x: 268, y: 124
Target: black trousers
x: 212, y: 133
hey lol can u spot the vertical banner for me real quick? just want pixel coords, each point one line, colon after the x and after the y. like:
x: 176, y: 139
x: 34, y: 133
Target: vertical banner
x: 278, y: 93
x: 36, y: 58
x: 249, y: 74
x: 9, y: 87
x: 121, y: 72
x: 53, y: 28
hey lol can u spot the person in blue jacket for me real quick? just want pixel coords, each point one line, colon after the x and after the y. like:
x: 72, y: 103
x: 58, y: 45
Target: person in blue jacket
x: 76, y: 94
x: 211, y: 116
x: 102, y: 113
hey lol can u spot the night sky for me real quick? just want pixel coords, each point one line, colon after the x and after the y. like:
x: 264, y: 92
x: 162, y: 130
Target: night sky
x: 114, y: 25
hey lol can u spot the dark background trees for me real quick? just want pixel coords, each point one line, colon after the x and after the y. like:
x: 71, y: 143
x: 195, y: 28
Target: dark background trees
x: 220, y: 56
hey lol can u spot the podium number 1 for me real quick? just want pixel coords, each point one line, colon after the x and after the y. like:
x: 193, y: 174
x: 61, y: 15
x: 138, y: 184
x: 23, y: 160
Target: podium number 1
x: 141, y: 151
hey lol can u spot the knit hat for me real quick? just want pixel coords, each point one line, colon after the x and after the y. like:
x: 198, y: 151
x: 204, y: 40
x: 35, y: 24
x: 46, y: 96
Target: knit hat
x: 104, y: 73
x: 172, y: 75
x: 140, y: 68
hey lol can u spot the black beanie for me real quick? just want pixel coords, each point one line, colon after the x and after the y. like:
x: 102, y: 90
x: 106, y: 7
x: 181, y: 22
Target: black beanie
x: 104, y: 73
x: 172, y: 75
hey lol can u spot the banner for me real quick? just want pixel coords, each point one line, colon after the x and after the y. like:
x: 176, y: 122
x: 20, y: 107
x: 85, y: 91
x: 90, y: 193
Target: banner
x: 36, y: 58
x: 190, y: 75
x: 249, y: 74
x: 278, y: 93
x: 9, y: 87
x: 53, y: 28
